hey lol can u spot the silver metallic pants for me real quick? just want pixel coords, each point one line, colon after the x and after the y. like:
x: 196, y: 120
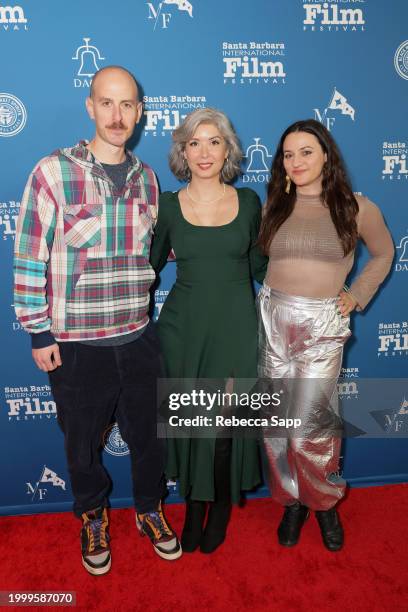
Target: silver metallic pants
x: 302, y: 339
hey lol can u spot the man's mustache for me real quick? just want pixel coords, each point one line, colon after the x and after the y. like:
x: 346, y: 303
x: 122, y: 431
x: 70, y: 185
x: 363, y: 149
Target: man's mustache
x: 117, y: 125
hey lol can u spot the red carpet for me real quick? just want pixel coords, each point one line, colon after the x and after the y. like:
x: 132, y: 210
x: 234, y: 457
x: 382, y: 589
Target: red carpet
x: 249, y: 572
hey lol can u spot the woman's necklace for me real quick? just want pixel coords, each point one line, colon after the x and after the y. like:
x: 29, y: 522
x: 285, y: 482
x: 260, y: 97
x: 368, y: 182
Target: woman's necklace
x: 206, y: 202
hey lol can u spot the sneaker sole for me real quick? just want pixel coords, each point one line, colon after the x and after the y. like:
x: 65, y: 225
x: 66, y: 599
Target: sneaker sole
x: 97, y: 571
x: 171, y: 556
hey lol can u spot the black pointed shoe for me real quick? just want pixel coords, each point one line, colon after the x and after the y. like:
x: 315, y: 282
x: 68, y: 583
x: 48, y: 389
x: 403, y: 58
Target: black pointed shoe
x: 216, y: 527
x: 331, y: 529
x: 291, y: 524
x: 193, y: 525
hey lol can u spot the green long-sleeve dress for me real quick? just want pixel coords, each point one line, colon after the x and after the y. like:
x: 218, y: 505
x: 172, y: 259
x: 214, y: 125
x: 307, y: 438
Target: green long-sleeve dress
x: 208, y: 326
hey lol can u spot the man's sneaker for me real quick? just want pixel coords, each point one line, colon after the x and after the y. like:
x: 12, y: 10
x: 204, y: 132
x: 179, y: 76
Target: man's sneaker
x: 96, y: 556
x: 163, y: 538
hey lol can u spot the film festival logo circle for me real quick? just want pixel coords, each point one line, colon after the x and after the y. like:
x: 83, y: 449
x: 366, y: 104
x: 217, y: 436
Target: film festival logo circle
x: 113, y: 442
x: 13, y: 115
x: 401, y: 60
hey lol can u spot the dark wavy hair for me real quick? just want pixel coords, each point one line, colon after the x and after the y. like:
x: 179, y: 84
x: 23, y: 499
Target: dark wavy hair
x: 336, y: 194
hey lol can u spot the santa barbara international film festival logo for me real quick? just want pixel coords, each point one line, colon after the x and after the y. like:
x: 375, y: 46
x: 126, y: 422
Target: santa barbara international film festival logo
x: 394, y: 154
x: 113, y: 442
x: 337, y: 102
x: 333, y: 16
x: 87, y: 57
x: 347, y: 386
x: 8, y: 219
x: 165, y: 113
x: 253, y: 63
x: 27, y: 403
x: 47, y: 480
x: 258, y: 162
x: 13, y: 115
x: 12, y: 18
x: 393, y: 339
x: 160, y: 296
x: 401, y: 60
x: 160, y: 14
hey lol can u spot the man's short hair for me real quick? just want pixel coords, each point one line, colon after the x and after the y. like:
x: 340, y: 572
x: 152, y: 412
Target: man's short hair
x: 91, y: 90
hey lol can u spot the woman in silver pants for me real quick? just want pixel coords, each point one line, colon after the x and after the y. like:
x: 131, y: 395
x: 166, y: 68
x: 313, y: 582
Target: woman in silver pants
x: 310, y: 229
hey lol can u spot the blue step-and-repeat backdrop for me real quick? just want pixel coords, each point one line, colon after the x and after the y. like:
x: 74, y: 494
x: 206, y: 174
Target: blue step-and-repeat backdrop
x: 266, y: 63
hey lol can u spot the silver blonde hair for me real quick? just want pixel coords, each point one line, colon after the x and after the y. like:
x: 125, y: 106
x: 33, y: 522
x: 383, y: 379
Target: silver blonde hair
x: 185, y: 132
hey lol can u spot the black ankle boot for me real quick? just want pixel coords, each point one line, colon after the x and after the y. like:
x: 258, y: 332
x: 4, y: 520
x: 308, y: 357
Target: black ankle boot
x: 193, y: 525
x: 291, y: 524
x: 216, y: 527
x: 331, y: 529
x: 220, y: 509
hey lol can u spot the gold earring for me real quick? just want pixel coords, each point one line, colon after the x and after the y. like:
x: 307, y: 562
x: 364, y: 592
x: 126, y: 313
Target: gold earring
x: 288, y: 184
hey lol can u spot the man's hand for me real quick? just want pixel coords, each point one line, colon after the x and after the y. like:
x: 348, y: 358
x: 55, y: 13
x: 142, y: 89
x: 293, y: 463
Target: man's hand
x: 47, y: 358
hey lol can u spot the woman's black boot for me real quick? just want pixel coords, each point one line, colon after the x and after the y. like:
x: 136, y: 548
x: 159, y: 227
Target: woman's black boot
x: 291, y: 524
x: 193, y: 524
x: 331, y: 529
x: 220, y: 509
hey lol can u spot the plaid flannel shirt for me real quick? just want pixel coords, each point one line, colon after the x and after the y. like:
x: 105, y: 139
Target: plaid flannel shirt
x: 82, y: 249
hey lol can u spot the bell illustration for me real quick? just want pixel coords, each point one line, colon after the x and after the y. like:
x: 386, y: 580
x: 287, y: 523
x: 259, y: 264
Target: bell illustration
x: 88, y: 54
x: 257, y: 154
x: 404, y: 246
x: 88, y: 65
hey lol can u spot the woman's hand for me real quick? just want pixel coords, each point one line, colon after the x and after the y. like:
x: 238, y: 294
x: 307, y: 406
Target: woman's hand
x: 346, y: 303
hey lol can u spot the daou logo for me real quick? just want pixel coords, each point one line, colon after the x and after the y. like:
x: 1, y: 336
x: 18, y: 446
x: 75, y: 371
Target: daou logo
x: 395, y: 160
x: 161, y: 18
x: 402, y: 252
x: 12, y: 18
x: 88, y: 57
x: 393, y: 339
x: 337, y: 102
x: 324, y: 16
x: 258, y: 163
x: 250, y: 63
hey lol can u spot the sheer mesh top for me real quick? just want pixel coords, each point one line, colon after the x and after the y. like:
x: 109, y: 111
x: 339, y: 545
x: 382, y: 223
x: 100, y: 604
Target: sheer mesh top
x: 306, y: 256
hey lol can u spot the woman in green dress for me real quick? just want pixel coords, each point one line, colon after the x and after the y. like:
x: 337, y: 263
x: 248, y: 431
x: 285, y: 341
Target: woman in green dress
x: 208, y: 325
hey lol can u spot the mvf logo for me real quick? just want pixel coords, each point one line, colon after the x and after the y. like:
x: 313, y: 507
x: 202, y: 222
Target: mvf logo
x: 159, y: 16
x: 337, y: 102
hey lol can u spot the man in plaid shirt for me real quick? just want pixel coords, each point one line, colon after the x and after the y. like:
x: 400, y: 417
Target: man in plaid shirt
x: 82, y: 280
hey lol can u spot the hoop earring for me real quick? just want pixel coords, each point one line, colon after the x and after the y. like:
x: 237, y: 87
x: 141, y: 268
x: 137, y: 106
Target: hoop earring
x: 288, y: 184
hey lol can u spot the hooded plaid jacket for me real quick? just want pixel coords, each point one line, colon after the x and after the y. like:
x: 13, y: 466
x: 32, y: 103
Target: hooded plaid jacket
x: 82, y: 249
